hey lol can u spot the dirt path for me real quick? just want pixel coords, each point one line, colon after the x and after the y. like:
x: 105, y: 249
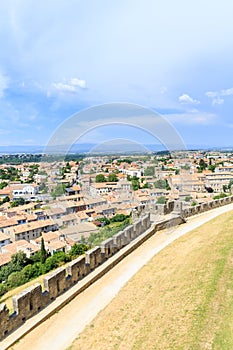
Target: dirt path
x: 60, y: 330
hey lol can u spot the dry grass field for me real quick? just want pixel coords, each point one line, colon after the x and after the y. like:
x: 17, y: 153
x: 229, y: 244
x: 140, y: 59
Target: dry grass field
x: 182, y: 299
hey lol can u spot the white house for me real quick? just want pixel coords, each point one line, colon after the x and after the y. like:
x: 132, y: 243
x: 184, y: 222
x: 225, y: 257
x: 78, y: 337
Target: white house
x: 26, y: 191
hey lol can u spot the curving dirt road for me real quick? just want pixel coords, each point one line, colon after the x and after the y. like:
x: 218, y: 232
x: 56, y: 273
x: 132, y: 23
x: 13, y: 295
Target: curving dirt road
x: 60, y: 330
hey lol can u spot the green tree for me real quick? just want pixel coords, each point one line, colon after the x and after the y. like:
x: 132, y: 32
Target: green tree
x: 17, y: 202
x: 3, y: 289
x: 38, y: 269
x: 16, y: 279
x: 50, y: 264
x: 188, y: 198
x: 6, y: 199
x: 146, y: 185
x: 119, y: 218
x: 212, y: 168
x: 202, y: 165
x: 43, y: 253
x: 105, y: 220
x: 61, y: 258
x: 100, y: 178
x: 112, y: 178
x: 19, y: 260
x: 149, y: 171
x: 160, y: 184
x: 28, y: 272
x: 78, y: 249
x: 161, y: 200
x: 135, y: 184
x: 3, y: 184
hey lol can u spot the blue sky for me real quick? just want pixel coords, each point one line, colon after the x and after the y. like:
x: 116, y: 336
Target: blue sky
x: 58, y: 57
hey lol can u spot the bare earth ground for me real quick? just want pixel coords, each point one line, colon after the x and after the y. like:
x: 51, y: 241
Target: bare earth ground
x: 176, y: 301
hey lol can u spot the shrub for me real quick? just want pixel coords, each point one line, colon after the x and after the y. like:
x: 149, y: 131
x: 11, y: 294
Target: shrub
x: 118, y: 218
x: 16, y: 279
x: 100, y: 178
x: 50, y: 264
x: 3, y: 289
x: 219, y: 196
x: 161, y: 200
x: 61, y: 257
x: 28, y: 272
x: 78, y: 249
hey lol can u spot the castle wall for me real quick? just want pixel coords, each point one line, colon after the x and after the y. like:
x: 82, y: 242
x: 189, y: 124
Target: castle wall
x: 108, y: 248
x: 77, y: 269
x: 94, y: 258
x: 32, y: 300
x: 197, y: 209
x: 119, y: 240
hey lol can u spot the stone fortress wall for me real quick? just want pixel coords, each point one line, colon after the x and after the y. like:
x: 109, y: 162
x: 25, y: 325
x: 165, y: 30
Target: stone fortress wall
x: 33, y: 299
x: 197, y: 209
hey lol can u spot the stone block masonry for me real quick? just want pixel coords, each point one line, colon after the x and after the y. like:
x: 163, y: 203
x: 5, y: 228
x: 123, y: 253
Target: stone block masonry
x: 198, y: 209
x: 33, y: 299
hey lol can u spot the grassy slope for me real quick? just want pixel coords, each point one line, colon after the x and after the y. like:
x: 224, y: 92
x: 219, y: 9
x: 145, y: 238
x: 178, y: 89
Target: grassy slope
x: 182, y: 299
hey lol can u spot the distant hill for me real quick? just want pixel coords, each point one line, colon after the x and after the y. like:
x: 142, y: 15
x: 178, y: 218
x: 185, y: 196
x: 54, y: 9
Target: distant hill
x: 105, y: 147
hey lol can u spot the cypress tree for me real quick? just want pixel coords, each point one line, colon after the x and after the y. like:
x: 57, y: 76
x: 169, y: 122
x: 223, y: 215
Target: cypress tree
x: 43, y: 253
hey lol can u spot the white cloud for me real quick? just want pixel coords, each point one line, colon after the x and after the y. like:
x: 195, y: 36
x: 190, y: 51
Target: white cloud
x: 211, y: 94
x: 216, y: 96
x: 217, y: 101
x: 72, y: 85
x: 227, y: 92
x: 78, y: 82
x: 186, y: 99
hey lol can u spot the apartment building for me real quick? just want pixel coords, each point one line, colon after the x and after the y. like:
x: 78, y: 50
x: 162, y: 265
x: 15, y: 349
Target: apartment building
x: 32, y: 230
x: 216, y: 181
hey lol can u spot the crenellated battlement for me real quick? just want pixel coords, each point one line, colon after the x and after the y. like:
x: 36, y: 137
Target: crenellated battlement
x: 35, y: 298
x: 201, y: 208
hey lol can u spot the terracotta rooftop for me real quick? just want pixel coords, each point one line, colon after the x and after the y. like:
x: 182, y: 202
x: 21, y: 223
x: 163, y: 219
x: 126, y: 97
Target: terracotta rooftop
x: 31, y: 226
x: 49, y: 236
x: 8, y: 223
x: 3, y: 237
x: 54, y: 245
x: 5, y: 258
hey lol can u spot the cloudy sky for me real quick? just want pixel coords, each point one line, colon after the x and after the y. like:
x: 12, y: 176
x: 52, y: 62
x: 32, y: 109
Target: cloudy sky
x: 59, y: 57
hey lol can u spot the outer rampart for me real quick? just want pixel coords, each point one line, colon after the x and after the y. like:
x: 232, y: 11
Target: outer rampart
x: 33, y: 299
